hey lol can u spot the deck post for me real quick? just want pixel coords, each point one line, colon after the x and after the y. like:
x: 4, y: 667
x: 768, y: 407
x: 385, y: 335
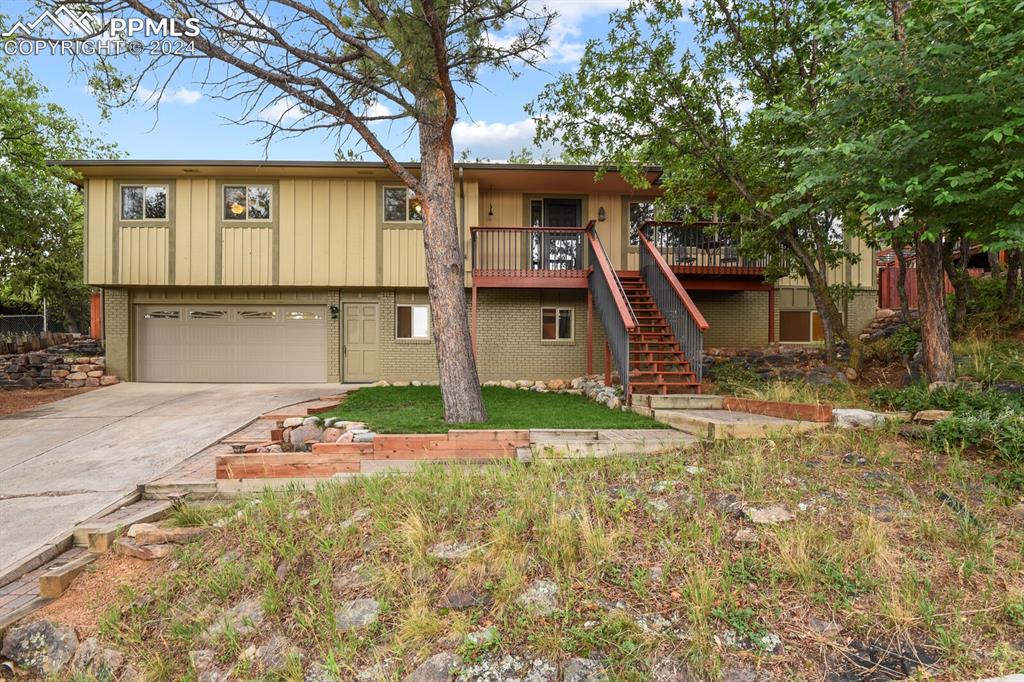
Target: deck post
x: 607, y: 364
x: 771, y: 315
x: 590, y: 332
x: 472, y: 327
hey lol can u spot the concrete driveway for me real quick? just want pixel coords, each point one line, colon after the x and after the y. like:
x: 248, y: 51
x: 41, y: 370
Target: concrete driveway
x: 63, y: 462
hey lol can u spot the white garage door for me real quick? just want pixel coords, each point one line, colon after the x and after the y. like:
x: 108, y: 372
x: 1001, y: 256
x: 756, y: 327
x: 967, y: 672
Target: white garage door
x: 278, y: 344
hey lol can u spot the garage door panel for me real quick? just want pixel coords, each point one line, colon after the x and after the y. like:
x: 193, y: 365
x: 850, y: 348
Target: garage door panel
x: 231, y: 343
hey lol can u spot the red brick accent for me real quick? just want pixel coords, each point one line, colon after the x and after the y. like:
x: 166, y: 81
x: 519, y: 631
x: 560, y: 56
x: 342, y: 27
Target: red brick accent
x: 798, y: 411
x: 327, y: 459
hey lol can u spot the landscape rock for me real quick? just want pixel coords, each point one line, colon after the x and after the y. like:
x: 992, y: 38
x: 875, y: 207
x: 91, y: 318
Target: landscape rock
x: 438, y: 668
x: 768, y: 642
x: 94, y: 660
x: 481, y: 637
x: 584, y: 670
x: 41, y: 647
x: 129, y: 547
x: 365, y: 437
x: 318, y: 672
x: 208, y: 668
x: 671, y: 670
x: 331, y: 435
x: 451, y: 551
x: 540, y: 598
x: 849, y: 418
x: 356, y: 614
x: 463, y: 599
x: 746, y: 536
x: 275, y: 652
x: 160, y: 536
x: 824, y: 628
x: 932, y: 416
x: 244, y: 617
x: 509, y: 669
x: 508, y: 383
x: 292, y: 422
x: 744, y: 673
x: 301, y: 434
x: 776, y: 513
x: 136, y: 527
x: 855, y: 458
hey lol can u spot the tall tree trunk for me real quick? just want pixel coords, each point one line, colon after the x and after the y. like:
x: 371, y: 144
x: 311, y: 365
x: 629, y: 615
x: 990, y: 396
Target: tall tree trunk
x: 938, y: 345
x: 1014, y: 262
x: 956, y: 270
x: 460, y: 384
x: 901, y: 281
x: 994, y: 266
x: 832, y: 323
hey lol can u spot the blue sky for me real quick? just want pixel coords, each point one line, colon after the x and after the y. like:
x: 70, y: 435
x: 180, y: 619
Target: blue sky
x: 192, y: 125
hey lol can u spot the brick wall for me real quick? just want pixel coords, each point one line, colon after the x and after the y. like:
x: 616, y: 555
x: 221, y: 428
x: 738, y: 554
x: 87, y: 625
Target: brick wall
x: 862, y: 310
x: 333, y: 339
x: 735, y: 318
x: 116, y: 326
x: 508, y: 338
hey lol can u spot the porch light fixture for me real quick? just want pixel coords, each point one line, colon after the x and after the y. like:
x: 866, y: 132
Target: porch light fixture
x: 602, y: 215
x: 490, y: 211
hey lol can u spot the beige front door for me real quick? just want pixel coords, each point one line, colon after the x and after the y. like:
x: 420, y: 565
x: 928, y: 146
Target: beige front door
x: 360, y: 342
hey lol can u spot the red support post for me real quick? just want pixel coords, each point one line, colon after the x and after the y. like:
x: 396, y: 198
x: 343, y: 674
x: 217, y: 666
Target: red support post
x: 607, y: 364
x: 771, y: 315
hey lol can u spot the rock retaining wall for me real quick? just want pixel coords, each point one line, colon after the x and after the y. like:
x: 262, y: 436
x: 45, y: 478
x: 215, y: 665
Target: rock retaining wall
x: 70, y: 365
x: 777, y: 362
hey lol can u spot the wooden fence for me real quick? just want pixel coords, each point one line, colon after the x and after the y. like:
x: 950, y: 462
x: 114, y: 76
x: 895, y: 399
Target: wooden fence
x: 889, y: 295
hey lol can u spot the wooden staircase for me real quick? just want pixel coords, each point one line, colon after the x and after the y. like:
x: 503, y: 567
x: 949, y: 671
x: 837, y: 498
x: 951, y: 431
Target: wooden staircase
x: 657, y: 363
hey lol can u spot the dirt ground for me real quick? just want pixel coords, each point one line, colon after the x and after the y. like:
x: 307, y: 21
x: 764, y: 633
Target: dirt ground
x: 25, y: 398
x: 103, y: 584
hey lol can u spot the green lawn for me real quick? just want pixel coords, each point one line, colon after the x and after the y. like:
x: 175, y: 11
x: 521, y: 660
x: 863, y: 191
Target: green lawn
x: 417, y: 409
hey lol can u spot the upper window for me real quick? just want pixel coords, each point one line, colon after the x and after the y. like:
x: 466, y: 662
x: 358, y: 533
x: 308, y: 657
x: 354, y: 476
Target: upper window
x: 143, y: 202
x: 247, y: 202
x: 556, y: 324
x: 401, y: 206
x: 639, y: 213
x: 412, y: 322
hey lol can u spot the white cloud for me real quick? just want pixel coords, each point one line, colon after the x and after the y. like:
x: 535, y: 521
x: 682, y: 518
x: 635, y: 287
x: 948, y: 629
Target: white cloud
x: 282, y: 110
x: 566, y: 41
x: 494, y: 140
x: 173, y: 95
x: 378, y: 109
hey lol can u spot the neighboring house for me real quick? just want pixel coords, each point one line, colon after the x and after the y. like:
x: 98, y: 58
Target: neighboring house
x: 309, y: 272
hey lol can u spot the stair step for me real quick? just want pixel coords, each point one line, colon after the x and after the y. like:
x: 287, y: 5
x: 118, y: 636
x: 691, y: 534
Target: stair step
x: 717, y: 424
x: 679, y: 402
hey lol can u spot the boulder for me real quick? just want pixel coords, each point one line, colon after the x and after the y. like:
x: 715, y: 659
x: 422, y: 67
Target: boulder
x: 108, y: 380
x: 129, y: 547
x: 301, y: 434
x: 746, y: 536
x: 437, y: 668
x: 78, y: 376
x: 584, y: 670
x: 161, y: 536
x: 291, y: 422
x: 670, y: 669
x: 508, y: 383
x: 357, y: 614
x: 136, y: 527
x: 773, y: 514
x: 540, y: 598
x: 932, y: 416
x: 244, y: 617
x: 331, y: 435
x: 96, y: 661
x: 92, y: 382
x: 849, y: 418
x: 364, y: 437
x: 42, y: 647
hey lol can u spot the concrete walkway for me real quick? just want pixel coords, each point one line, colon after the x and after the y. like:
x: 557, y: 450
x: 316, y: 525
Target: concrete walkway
x: 63, y: 462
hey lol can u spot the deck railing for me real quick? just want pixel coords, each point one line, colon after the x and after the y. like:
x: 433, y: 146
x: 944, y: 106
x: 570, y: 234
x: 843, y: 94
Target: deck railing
x: 613, y: 308
x: 675, y: 304
x: 526, y: 251
x: 686, y: 246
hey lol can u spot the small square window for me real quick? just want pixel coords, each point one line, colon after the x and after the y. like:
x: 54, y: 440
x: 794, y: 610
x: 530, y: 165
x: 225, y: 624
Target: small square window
x: 247, y: 202
x: 401, y: 206
x: 143, y: 202
x: 556, y: 324
x: 412, y: 322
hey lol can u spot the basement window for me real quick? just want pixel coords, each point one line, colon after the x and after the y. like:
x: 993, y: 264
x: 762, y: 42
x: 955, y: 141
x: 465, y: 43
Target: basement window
x: 143, y: 202
x: 247, y: 202
x: 556, y: 324
x: 412, y: 322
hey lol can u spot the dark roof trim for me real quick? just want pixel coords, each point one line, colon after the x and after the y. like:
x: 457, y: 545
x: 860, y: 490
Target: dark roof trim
x: 326, y: 164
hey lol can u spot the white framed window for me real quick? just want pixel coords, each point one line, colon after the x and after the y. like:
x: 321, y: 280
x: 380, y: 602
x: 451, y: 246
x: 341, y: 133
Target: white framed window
x: 143, y: 202
x: 401, y: 205
x: 412, y: 321
x: 557, y: 324
x: 248, y: 203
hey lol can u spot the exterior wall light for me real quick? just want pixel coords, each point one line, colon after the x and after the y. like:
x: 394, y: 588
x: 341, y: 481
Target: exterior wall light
x: 602, y: 215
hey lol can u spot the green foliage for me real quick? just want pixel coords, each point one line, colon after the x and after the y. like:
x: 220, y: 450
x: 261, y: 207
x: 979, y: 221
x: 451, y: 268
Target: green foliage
x: 1001, y: 434
x: 418, y: 409
x: 734, y: 377
x: 40, y: 209
x: 959, y: 399
x: 905, y: 340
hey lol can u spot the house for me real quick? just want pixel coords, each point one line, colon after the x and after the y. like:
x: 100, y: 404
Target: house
x: 314, y: 271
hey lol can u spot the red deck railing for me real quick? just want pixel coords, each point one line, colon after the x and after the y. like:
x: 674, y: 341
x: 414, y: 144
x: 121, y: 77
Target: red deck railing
x: 552, y: 257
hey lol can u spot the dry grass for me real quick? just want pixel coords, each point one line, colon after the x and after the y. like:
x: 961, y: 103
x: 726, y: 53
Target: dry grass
x: 872, y: 548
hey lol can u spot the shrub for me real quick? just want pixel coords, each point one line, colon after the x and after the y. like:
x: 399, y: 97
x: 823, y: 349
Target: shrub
x: 733, y: 377
x: 959, y: 399
x: 1002, y: 434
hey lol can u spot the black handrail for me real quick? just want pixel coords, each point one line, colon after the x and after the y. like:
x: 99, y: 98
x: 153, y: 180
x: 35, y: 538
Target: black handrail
x: 552, y: 250
x: 699, y: 245
x: 613, y: 307
x: 676, y: 306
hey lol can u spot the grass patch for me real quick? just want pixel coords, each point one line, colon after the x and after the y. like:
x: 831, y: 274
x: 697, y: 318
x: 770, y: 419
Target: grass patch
x: 418, y: 409
x: 889, y: 562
